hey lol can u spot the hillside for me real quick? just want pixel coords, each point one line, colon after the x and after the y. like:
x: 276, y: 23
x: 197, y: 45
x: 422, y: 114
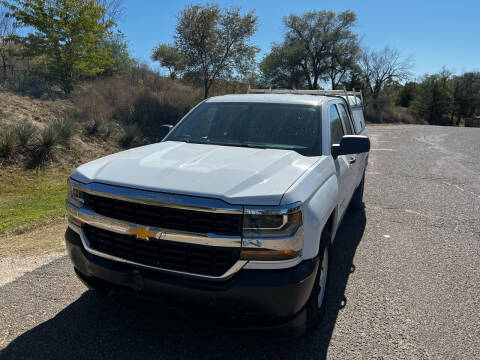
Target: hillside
x: 17, y: 108
x: 33, y: 194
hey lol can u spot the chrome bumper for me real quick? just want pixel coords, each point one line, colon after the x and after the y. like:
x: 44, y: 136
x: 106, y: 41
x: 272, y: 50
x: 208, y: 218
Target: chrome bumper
x: 78, y: 216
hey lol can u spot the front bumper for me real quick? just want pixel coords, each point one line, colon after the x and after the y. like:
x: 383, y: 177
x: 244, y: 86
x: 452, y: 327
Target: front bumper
x: 268, y: 296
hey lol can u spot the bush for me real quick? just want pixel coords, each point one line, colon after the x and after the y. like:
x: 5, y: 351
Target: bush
x: 36, y: 84
x: 151, y: 111
x: 131, y: 137
x: 48, y: 139
x: 64, y: 130
x: 108, y: 130
x: 24, y: 133
x: 7, y: 144
x: 387, y: 114
x: 142, y: 97
x: 95, y: 127
x: 57, y: 133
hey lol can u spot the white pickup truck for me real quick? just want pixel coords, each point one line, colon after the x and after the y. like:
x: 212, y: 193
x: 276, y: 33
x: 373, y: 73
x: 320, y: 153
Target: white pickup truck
x: 235, y: 210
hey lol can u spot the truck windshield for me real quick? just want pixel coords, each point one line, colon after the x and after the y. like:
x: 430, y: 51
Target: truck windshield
x: 258, y: 125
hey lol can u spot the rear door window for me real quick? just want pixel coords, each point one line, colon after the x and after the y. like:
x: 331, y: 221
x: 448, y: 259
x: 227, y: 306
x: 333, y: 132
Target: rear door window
x: 336, y: 128
x: 345, y: 119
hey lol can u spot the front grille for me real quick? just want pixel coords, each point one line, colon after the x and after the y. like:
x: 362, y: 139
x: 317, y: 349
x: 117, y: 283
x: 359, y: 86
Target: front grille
x: 165, y: 217
x: 196, y: 259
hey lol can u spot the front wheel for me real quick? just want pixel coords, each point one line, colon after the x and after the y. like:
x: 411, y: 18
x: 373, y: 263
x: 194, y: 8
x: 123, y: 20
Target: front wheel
x: 317, y: 302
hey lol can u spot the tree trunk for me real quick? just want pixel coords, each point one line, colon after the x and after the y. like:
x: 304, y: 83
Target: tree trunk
x: 315, y: 82
x: 452, y: 118
x: 205, y: 88
x: 4, y: 68
x: 307, y: 76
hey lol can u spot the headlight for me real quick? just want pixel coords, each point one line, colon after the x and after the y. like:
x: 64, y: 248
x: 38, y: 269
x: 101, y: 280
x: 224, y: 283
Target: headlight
x: 75, y: 195
x: 272, y: 233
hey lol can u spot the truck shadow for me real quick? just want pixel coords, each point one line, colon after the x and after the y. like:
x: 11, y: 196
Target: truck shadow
x: 93, y: 327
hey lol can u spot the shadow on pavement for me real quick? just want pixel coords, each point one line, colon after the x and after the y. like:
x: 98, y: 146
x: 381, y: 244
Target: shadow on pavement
x: 94, y: 327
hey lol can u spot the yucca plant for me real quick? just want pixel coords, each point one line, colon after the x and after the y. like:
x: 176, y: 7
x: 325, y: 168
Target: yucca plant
x: 7, y: 144
x: 108, y: 130
x: 48, y: 139
x: 63, y: 130
x: 95, y: 127
x: 24, y: 133
x: 131, y: 137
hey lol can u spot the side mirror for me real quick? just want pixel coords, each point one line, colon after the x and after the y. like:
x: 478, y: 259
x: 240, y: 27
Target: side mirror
x: 165, y: 129
x: 351, y: 144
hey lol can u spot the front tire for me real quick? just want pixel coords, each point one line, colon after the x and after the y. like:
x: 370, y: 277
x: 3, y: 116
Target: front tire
x: 316, y: 304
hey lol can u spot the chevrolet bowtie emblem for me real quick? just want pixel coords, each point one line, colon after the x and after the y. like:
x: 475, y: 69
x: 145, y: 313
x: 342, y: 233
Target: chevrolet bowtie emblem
x: 143, y: 233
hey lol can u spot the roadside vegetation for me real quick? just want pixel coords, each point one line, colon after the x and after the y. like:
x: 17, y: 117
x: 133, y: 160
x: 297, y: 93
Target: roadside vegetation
x: 29, y: 198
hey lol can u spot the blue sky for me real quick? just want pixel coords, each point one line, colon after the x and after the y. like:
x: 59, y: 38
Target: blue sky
x: 436, y: 33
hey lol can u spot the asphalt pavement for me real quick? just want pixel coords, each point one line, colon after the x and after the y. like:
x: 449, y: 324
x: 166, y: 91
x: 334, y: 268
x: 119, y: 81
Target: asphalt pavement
x: 405, y: 280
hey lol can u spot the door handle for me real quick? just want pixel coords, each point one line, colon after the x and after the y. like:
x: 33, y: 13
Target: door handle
x: 352, y: 159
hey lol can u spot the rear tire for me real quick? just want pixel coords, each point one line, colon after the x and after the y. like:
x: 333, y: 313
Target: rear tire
x: 316, y: 303
x: 357, y: 198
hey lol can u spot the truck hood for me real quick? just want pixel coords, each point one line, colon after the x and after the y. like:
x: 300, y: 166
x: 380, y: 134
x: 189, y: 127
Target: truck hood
x: 236, y: 175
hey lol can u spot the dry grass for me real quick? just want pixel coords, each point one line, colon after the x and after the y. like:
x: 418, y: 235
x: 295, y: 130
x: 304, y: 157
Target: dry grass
x: 112, y: 98
x: 16, y: 109
x: 44, y: 239
x: 146, y: 102
x: 391, y: 115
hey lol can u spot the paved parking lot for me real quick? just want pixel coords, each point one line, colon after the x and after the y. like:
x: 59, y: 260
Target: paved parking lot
x: 405, y: 285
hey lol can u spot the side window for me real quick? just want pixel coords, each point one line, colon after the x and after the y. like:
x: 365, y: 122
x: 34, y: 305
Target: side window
x: 345, y: 119
x: 336, y: 128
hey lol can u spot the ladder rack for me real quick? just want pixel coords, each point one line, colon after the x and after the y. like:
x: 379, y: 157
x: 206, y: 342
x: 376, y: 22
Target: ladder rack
x: 356, y: 94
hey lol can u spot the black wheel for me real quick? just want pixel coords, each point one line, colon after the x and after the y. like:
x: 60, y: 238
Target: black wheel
x: 317, y: 302
x: 357, y: 198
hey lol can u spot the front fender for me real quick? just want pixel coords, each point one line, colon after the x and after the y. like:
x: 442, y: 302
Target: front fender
x: 316, y: 214
x: 318, y: 190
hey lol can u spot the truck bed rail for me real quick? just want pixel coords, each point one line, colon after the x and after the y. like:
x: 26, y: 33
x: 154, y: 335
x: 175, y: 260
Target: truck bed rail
x: 357, y: 95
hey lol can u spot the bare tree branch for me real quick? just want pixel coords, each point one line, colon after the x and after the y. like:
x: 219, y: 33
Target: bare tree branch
x: 382, y: 67
x: 114, y: 9
x: 7, y: 29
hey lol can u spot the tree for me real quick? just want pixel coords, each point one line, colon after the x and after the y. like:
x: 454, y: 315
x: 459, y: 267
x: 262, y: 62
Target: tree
x: 68, y: 35
x: 406, y: 94
x: 353, y: 79
x: 6, y: 31
x: 434, y: 99
x: 327, y: 47
x: 169, y: 57
x: 116, y: 48
x: 466, y: 96
x: 280, y: 68
x: 214, y: 41
x: 113, y: 10
x: 383, y: 67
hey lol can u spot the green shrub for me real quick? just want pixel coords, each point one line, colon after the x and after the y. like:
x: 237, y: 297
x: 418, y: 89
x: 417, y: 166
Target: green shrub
x: 36, y: 83
x: 387, y: 114
x: 95, y: 127
x: 131, y: 136
x: 24, y: 133
x: 64, y: 130
x: 49, y: 138
x: 7, y: 144
x: 108, y: 130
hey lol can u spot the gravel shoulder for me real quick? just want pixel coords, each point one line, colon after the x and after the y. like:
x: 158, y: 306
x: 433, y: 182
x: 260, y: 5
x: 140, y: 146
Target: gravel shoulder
x: 22, y: 253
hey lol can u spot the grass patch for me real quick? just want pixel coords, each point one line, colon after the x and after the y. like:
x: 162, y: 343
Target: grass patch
x: 31, y: 197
